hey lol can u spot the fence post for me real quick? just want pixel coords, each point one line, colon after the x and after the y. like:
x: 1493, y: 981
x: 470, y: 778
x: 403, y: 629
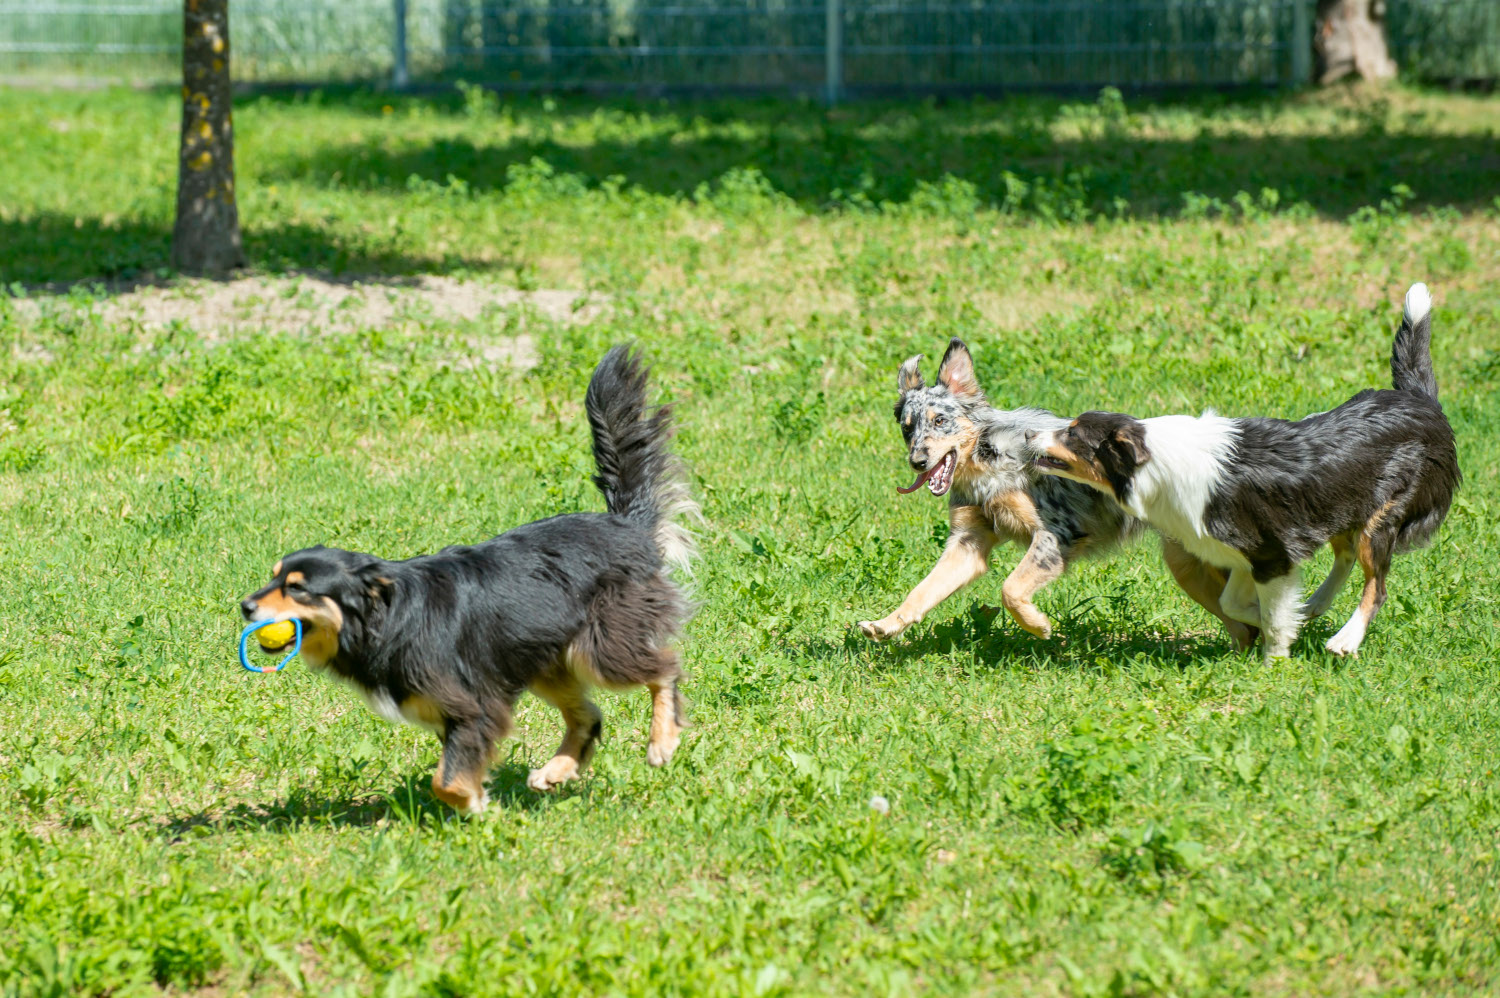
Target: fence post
x: 1301, y: 43
x: 399, y: 75
x: 833, y: 53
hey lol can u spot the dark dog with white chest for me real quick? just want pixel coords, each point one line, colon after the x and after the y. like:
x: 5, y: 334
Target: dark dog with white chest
x: 449, y: 641
x: 1257, y: 497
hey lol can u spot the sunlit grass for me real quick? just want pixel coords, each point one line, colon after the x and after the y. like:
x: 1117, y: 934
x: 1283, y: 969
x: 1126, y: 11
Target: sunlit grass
x: 1128, y: 809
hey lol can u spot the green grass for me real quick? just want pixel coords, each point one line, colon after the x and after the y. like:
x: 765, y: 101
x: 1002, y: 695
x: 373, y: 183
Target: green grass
x: 1129, y: 809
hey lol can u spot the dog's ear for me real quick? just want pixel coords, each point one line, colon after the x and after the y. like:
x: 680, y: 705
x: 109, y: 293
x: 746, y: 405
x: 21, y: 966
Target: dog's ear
x: 957, y: 370
x: 909, y: 378
x: 1131, y: 440
x: 377, y: 583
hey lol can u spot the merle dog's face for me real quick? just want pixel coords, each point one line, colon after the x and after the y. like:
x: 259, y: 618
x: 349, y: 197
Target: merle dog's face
x: 1100, y: 449
x: 318, y: 586
x: 938, y: 422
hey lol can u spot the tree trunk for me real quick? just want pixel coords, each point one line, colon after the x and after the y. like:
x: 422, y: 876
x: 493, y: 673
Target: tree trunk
x: 206, y: 238
x: 1351, y: 39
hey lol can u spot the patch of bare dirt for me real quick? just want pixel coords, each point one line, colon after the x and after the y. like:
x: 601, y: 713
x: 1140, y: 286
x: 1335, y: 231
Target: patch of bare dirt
x: 305, y: 304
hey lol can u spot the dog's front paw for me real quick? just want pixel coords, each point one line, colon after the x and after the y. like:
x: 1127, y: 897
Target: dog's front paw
x: 660, y: 752
x: 559, y: 770
x: 1032, y: 620
x: 880, y: 630
x: 1041, y: 628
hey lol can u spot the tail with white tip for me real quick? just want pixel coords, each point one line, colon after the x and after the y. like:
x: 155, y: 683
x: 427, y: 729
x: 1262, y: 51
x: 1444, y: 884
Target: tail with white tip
x: 1411, y: 354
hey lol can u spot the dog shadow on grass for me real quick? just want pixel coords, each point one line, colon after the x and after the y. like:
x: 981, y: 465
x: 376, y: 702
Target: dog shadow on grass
x: 1077, y: 642
x: 409, y: 802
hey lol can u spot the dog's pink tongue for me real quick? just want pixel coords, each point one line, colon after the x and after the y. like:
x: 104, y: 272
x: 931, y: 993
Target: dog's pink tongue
x: 921, y: 480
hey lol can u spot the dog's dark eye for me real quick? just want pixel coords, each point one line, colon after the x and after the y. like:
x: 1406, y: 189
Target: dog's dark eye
x: 940, y: 421
x: 294, y: 587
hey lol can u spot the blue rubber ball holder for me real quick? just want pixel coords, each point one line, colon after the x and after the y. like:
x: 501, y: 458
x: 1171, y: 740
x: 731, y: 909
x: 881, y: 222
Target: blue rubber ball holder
x: 245, y: 640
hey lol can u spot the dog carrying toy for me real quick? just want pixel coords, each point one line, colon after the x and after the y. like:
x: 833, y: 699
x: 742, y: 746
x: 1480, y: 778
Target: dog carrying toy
x: 273, y: 634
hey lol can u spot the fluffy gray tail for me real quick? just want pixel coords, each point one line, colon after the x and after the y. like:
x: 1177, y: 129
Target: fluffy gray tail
x: 637, y: 471
x: 1411, y: 354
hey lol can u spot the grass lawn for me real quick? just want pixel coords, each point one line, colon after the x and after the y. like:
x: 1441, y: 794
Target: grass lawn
x: 1128, y: 809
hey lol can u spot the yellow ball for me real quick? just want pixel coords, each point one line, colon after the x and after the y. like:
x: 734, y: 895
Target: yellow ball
x: 276, y: 635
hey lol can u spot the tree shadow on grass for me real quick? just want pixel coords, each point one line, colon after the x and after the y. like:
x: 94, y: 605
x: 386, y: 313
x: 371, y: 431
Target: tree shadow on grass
x: 410, y: 802
x: 886, y: 152
x: 1078, y: 642
x: 55, y: 252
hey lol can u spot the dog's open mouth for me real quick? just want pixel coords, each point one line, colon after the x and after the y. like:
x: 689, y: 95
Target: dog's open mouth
x: 938, y: 478
x: 1048, y: 461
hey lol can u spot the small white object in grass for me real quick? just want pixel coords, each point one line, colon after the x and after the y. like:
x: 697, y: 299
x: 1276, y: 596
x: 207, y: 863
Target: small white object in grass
x: 880, y: 805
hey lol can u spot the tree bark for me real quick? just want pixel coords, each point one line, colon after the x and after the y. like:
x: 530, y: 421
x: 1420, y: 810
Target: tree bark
x: 1351, y: 39
x: 206, y: 238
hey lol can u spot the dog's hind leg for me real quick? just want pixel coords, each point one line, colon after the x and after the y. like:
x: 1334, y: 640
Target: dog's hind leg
x: 1374, y: 554
x: 563, y: 690
x: 467, y: 746
x: 965, y: 558
x: 1343, y: 564
x: 666, y: 713
x: 1044, y: 563
x: 627, y: 643
x: 1204, y: 583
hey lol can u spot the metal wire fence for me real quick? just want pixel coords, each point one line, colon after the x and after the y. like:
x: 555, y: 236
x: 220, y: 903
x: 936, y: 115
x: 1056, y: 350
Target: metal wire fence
x: 834, y: 46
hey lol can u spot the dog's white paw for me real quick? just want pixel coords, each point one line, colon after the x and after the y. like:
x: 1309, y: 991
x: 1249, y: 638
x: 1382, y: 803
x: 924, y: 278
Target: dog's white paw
x: 660, y: 753
x: 880, y: 630
x: 1345, y: 644
x: 558, y: 771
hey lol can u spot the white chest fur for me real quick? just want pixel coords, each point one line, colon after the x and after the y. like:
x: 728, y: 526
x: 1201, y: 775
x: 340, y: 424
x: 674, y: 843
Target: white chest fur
x: 1172, y: 490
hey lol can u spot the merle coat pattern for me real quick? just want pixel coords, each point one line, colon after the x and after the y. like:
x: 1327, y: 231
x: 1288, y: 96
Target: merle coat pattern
x: 963, y: 447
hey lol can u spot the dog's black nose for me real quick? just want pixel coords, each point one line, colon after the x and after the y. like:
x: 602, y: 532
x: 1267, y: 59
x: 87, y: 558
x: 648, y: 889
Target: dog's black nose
x: 919, y: 461
x: 247, y: 607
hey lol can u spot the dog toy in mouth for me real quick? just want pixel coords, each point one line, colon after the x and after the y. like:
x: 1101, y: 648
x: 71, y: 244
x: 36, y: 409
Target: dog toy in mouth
x: 273, y: 636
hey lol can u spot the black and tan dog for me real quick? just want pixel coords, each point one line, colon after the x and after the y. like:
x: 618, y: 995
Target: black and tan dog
x: 962, y: 446
x: 449, y: 641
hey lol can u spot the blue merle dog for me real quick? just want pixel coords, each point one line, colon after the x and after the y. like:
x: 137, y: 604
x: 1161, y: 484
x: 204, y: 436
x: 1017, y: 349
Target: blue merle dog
x: 962, y: 447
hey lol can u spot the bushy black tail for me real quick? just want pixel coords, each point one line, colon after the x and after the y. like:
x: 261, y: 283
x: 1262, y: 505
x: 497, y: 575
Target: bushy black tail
x: 1411, y: 354
x: 637, y: 471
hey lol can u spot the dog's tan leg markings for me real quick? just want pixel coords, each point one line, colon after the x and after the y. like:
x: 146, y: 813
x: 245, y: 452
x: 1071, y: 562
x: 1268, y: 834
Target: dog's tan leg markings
x: 1343, y: 564
x: 1239, y: 599
x: 1014, y: 513
x: 666, y: 727
x: 1374, y: 562
x: 964, y: 559
x: 1043, y: 564
x: 460, y: 791
x: 562, y: 690
x: 1203, y: 582
x: 459, y: 780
